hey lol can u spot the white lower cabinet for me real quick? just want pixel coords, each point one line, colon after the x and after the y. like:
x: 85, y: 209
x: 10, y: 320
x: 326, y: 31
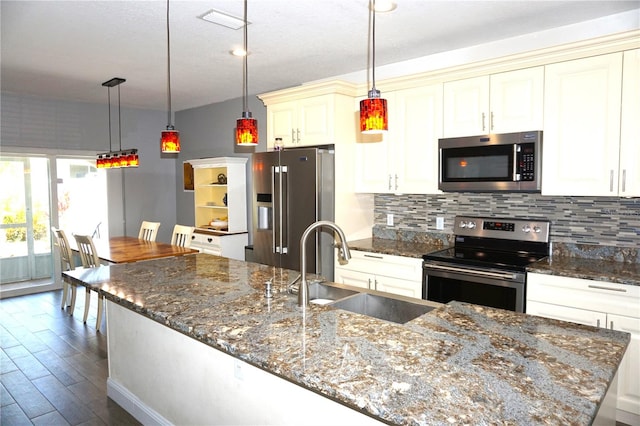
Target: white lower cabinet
x: 382, y: 272
x: 600, y: 304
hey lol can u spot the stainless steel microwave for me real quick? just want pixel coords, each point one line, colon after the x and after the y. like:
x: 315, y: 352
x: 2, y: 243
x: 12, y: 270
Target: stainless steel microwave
x: 488, y: 163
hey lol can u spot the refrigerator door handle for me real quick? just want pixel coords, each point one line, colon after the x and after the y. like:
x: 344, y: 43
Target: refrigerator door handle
x: 275, y: 171
x: 284, y: 209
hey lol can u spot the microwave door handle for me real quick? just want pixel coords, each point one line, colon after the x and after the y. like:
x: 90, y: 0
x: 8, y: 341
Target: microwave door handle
x: 516, y: 175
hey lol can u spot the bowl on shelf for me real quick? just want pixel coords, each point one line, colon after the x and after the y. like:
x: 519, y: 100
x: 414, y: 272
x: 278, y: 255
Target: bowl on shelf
x: 218, y: 224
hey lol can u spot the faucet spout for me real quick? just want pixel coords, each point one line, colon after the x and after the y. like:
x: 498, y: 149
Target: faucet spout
x: 343, y: 255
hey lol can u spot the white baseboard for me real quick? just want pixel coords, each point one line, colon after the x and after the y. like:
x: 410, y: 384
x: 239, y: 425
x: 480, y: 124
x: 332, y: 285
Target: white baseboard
x: 134, y: 406
x: 627, y: 418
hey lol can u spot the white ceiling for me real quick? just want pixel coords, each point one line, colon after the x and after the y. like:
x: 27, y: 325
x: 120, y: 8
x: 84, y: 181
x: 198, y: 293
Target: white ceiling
x: 66, y: 49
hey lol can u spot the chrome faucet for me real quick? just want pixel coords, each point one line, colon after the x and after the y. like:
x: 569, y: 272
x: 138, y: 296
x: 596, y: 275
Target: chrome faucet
x: 343, y: 256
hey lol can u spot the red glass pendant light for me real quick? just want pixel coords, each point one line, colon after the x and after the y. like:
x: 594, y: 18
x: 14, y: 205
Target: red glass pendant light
x: 170, y: 138
x: 373, y: 110
x: 246, y: 126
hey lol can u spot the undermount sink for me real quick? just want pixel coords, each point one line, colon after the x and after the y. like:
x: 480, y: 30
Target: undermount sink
x: 321, y: 293
x: 384, y: 308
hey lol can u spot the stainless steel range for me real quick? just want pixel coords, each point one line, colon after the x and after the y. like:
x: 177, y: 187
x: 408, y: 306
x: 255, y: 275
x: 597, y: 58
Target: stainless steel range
x: 487, y: 265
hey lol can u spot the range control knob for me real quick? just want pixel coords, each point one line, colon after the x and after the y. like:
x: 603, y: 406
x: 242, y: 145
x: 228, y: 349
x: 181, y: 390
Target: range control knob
x: 471, y: 225
x: 536, y: 229
x: 463, y: 224
x: 526, y: 229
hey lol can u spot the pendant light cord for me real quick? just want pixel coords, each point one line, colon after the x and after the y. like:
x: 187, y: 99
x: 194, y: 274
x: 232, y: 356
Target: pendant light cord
x: 373, y: 44
x: 245, y: 79
x: 119, y: 120
x: 109, y: 98
x: 168, y: 72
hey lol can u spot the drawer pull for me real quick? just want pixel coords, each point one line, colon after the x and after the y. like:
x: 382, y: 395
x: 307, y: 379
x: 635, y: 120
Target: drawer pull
x: 622, y: 290
x: 209, y: 239
x: 374, y: 257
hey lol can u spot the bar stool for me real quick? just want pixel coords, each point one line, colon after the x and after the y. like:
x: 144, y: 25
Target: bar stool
x: 66, y: 264
x: 90, y: 259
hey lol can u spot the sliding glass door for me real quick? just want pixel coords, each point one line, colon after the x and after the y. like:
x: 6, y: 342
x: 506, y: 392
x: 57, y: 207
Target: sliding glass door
x: 43, y: 191
x: 25, y: 211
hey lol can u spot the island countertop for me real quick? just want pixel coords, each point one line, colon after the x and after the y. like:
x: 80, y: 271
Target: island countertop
x: 458, y: 364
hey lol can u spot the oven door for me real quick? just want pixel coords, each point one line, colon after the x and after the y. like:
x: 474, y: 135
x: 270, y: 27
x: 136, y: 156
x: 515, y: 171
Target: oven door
x: 481, y: 286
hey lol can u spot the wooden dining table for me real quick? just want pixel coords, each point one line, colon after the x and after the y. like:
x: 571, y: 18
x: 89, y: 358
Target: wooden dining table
x: 131, y: 249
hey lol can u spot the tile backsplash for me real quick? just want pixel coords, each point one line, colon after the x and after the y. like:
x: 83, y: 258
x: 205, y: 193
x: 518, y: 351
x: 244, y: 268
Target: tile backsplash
x: 576, y: 222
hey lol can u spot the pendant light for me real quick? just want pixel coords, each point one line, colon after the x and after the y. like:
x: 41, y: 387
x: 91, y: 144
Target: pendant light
x: 373, y: 110
x: 121, y: 158
x: 246, y: 126
x: 170, y: 138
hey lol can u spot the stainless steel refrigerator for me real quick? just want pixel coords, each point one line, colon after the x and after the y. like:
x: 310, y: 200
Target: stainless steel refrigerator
x: 291, y: 190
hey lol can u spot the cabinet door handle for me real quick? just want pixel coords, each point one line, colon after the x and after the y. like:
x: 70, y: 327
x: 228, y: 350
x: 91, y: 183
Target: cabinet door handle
x: 598, y: 322
x: 293, y: 135
x: 624, y: 180
x: 396, y: 182
x: 611, y: 325
x: 483, y: 117
x: 374, y: 257
x: 599, y: 287
x: 298, y: 134
x: 375, y: 284
x: 611, y: 181
x: 369, y: 283
x: 389, y: 182
x: 491, y: 120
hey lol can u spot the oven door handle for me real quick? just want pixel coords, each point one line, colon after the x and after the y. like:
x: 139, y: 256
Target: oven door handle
x: 501, y: 275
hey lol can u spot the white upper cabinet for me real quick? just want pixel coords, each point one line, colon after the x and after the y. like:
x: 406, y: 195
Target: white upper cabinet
x: 311, y: 114
x: 405, y: 159
x: 581, y: 148
x: 302, y: 123
x: 629, y: 174
x: 498, y: 103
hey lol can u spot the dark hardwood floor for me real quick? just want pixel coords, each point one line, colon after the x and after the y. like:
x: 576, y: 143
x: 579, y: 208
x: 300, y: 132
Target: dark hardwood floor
x: 53, y: 368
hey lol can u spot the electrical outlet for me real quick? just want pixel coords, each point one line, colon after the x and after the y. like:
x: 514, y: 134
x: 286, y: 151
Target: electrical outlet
x: 237, y: 370
x: 440, y: 223
x: 389, y: 219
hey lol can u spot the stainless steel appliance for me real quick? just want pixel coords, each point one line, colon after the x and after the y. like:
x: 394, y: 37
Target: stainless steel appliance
x: 487, y: 265
x: 291, y: 190
x: 497, y: 162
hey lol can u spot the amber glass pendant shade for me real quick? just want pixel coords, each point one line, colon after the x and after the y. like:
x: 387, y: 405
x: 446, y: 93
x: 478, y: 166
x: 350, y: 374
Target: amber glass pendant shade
x: 170, y: 141
x: 373, y: 115
x: 247, y: 131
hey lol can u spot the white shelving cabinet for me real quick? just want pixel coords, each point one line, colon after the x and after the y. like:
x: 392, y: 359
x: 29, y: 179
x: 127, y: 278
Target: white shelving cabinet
x: 220, y: 193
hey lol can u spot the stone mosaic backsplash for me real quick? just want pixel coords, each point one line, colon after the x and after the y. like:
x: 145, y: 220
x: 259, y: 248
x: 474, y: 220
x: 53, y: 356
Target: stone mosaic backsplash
x: 578, y: 224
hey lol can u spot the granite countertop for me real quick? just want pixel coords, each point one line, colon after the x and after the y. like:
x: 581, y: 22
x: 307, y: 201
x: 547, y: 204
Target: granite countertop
x: 396, y: 247
x: 602, y: 269
x: 592, y: 269
x: 458, y: 364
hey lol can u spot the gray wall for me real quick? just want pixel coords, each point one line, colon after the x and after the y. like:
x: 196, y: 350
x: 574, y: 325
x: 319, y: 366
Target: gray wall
x: 209, y: 131
x: 34, y: 124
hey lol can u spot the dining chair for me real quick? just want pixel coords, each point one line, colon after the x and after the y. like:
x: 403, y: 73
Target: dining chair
x: 66, y: 264
x: 148, y: 230
x: 182, y: 235
x: 90, y: 259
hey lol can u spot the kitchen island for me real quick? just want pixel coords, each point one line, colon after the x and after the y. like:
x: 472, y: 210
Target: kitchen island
x: 458, y: 364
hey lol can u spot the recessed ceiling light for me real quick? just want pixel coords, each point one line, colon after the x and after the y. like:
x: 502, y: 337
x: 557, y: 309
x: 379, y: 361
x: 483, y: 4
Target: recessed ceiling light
x: 239, y: 51
x: 221, y: 18
x: 382, y: 6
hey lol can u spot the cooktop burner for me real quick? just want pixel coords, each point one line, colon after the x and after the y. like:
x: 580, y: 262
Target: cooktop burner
x: 498, y: 243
